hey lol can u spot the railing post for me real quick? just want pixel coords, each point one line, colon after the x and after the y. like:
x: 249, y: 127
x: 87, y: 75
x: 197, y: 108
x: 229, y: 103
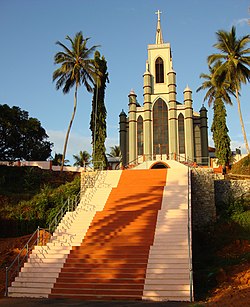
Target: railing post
x: 27, y: 252
x: 38, y: 235
x: 6, y: 281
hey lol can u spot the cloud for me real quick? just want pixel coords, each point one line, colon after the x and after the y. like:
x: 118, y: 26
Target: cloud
x: 76, y: 143
x: 242, y: 21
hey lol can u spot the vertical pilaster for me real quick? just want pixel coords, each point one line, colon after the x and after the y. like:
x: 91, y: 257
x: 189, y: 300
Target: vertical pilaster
x: 188, y: 120
x: 204, y: 135
x: 123, y: 137
x: 172, y: 114
x: 132, y: 126
x: 147, y: 122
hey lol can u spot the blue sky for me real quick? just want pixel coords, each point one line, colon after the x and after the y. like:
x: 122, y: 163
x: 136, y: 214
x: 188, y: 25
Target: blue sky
x: 30, y: 28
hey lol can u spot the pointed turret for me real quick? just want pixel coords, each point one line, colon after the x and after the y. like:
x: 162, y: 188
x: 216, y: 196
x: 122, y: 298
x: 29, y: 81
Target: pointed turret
x: 158, y: 37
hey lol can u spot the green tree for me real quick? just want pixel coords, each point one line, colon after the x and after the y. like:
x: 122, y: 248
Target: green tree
x: 220, y: 133
x: 22, y: 137
x: 76, y: 68
x: 115, y: 151
x: 82, y: 158
x: 218, y: 93
x: 57, y: 160
x: 235, y: 58
x: 99, y: 113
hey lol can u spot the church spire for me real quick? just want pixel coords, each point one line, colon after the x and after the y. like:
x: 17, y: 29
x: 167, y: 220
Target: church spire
x: 158, y: 37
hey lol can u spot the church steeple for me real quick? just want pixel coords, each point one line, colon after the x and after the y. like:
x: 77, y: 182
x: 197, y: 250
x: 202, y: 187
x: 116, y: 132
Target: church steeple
x: 158, y: 37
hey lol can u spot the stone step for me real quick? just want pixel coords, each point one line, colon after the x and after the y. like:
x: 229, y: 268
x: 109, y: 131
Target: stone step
x: 42, y: 265
x: 38, y: 279
x: 34, y: 269
x: 29, y: 290
x: 43, y: 274
x: 31, y: 295
x: 35, y: 284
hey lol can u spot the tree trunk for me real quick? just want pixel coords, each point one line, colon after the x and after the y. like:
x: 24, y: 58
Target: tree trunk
x: 69, y: 128
x: 241, y: 122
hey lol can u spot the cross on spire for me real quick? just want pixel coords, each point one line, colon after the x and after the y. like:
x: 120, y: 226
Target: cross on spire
x: 158, y: 13
x: 158, y: 37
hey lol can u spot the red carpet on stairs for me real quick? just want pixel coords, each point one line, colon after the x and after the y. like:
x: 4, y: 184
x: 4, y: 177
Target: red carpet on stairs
x: 112, y: 259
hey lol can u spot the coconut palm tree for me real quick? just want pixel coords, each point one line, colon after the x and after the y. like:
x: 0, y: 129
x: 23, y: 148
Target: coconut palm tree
x: 235, y: 58
x: 115, y: 152
x: 217, y: 94
x: 215, y: 88
x: 76, y: 68
x: 82, y: 158
x: 57, y: 160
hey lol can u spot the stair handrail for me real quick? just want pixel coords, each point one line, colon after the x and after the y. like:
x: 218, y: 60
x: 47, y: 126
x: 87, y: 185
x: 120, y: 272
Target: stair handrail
x: 190, y: 237
x: 69, y: 205
x: 13, y: 269
x: 72, y: 202
x: 171, y: 156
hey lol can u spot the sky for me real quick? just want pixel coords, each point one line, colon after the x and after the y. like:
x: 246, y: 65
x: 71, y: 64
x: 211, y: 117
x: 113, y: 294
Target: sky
x: 29, y: 30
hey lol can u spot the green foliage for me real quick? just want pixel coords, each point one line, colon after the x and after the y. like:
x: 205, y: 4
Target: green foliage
x: 218, y: 93
x: 99, y: 113
x: 242, y: 167
x: 22, y: 137
x: 57, y: 160
x: 76, y: 68
x: 232, y: 228
x: 115, y: 151
x: 220, y: 133
x: 82, y: 158
x: 234, y: 56
x: 43, y: 206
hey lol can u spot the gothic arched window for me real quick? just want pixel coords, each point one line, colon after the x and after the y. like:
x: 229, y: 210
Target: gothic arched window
x: 140, y: 135
x: 181, y: 134
x: 159, y: 70
x: 160, y: 127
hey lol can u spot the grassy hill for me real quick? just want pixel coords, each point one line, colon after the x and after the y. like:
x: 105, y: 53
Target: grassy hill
x: 30, y: 197
x: 241, y: 167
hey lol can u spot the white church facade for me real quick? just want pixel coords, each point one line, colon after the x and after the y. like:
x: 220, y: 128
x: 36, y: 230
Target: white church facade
x: 162, y: 128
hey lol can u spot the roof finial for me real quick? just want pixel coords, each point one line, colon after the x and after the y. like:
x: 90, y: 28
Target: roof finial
x: 158, y: 37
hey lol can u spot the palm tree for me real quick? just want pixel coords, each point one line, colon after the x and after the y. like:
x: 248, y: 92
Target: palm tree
x: 57, y: 160
x: 115, y: 151
x: 215, y: 88
x: 235, y: 65
x: 76, y: 68
x: 82, y: 158
x: 218, y: 93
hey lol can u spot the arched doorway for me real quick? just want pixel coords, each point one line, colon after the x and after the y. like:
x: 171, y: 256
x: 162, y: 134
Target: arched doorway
x: 159, y: 165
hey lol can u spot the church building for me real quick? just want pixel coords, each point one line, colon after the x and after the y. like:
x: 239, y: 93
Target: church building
x: 163, y: 128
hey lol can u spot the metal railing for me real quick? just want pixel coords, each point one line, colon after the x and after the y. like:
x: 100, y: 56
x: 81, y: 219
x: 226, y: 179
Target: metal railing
x: 190, y: 237
x: 93, y: 166
x: 37, y: 238
x: 69, y: 205
x: 196, y: 162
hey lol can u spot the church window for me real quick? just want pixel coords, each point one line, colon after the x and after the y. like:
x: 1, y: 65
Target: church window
x: 160, y: 127
x: 181, y: 134
x: 159, y: 70
x: 140, y: 135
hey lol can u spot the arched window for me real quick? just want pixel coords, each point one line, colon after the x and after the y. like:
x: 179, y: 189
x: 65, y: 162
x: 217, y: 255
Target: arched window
x: 160, y: 127
x: 140, y: 136
x: 159, y: 70
x: 181, y: 133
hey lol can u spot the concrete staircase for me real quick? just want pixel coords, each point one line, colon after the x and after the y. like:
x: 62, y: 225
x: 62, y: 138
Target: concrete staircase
x: 168, y: 270
x: 111, y: 262
x: 39, y: 274
x: 125, y: 241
